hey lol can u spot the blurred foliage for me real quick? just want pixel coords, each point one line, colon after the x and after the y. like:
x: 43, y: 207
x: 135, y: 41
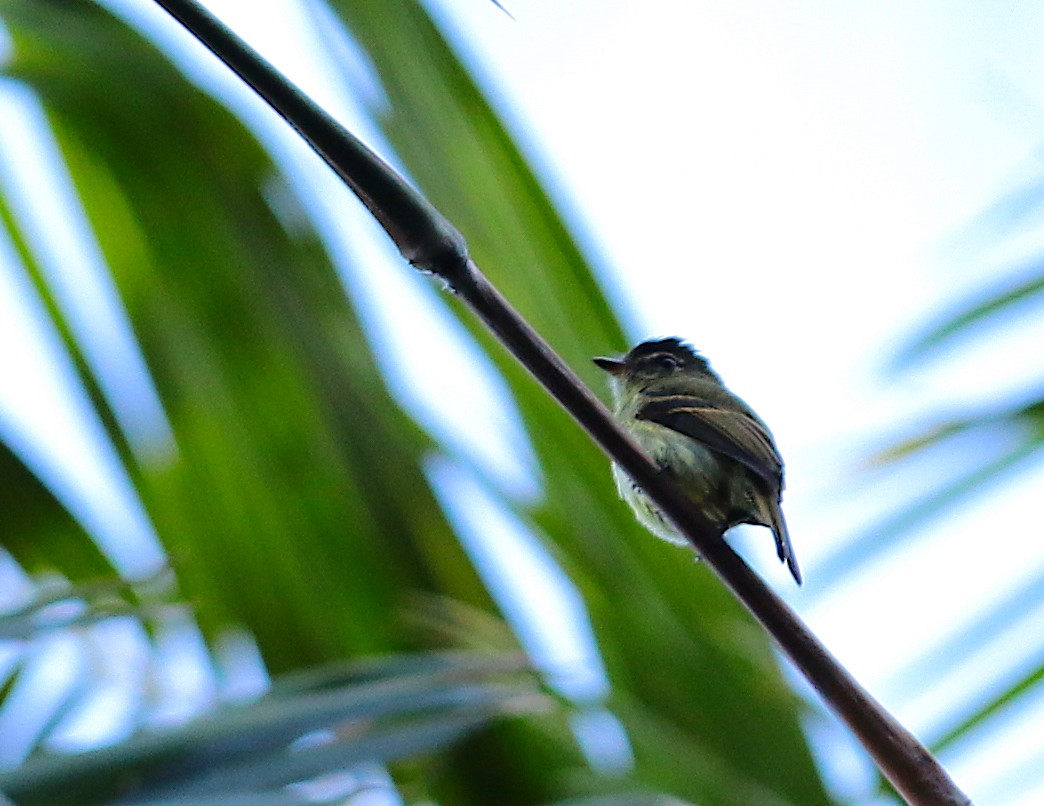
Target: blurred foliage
x: 35, y: 526
x: 406, y: 707
x: 293, y: 501
x: 993, y: 442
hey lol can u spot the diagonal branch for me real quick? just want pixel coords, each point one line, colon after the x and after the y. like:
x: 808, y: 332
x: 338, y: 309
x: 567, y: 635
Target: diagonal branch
x: 431, y: 243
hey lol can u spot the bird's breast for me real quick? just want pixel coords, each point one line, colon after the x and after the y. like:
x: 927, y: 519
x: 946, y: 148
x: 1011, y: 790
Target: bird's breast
x: 680, y: 455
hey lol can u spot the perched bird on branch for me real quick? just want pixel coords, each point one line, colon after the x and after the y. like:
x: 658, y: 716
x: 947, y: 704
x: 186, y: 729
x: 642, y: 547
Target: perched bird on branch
x: 716, y: 448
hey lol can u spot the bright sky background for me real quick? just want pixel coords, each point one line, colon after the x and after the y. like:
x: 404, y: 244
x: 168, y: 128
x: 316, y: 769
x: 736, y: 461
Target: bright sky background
x: 814, y: 167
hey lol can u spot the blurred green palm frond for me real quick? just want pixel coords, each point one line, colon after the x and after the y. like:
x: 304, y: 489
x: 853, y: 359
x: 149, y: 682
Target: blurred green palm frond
x: 291, y: 497
x: 300, y: 731
x: 38, y: 530
x: 989, y: 444
x: 995, y: 443
x: 975, y: 316
x: 1011, y: 221
x: 1006, y: 430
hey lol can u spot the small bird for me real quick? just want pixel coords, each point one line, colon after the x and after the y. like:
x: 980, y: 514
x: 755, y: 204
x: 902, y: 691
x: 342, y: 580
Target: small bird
x: 718, y: 451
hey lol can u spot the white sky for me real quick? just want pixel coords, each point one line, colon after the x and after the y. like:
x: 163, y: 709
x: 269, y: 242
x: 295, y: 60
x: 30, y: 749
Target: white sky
x: 829, y: 155
x: 813, y: 166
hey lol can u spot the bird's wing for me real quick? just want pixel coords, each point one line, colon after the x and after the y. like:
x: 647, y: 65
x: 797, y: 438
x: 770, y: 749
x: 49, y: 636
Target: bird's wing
x: 729, y: 431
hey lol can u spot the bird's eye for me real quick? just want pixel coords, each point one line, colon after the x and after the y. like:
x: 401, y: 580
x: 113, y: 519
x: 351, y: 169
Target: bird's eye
x: 667, y: 362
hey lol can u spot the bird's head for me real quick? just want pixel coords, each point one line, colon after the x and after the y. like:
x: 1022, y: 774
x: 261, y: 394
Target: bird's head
x: 653, y: 361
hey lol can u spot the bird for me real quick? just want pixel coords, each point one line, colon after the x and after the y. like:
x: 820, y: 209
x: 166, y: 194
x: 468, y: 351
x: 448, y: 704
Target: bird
x: 718, y: 451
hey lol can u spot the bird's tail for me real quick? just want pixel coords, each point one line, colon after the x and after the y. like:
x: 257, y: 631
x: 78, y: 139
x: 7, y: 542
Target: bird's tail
x: 778, y: 525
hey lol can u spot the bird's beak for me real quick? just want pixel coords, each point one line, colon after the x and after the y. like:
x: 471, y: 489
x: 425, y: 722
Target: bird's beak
x: 614, y: 366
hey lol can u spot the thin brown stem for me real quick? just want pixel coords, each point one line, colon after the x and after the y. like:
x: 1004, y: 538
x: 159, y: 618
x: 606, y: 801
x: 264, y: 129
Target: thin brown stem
x: 430, y: 242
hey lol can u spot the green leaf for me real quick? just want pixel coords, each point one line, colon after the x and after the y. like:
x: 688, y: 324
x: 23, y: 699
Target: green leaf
x: 968, y: 318
x: 84, y: 604
x: 673, y: 640
x: 249, y: 748
x: 294, y: 502
x: 38, y: 531
x: 1022, y: 686
x: 975, y: 479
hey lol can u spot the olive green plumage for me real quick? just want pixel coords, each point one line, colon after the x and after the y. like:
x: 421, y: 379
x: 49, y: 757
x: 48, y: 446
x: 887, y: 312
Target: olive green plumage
x: 718, y: 450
